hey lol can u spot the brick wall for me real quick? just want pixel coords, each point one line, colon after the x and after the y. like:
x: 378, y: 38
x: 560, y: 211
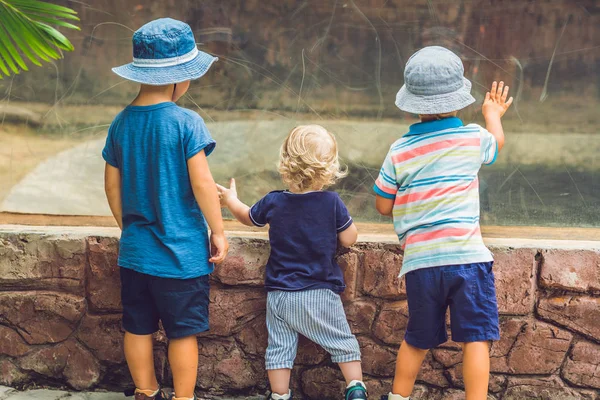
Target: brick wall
x: 60, y: 321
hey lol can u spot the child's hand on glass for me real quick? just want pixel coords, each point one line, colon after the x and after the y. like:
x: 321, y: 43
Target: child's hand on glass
x: 495, y: 104
x: 226, y: 195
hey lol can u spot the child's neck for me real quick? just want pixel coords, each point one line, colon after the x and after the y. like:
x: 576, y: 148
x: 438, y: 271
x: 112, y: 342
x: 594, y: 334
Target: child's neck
x: 150, y: 95
x: 307, y: 190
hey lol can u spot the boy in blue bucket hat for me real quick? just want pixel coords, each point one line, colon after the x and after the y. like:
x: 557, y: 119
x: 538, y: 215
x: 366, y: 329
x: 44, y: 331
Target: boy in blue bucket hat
x: 162, y: 195
x: 428, y: 184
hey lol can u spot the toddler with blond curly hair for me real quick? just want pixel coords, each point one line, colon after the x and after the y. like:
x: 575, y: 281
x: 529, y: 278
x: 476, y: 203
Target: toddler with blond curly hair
x: 303, y: 279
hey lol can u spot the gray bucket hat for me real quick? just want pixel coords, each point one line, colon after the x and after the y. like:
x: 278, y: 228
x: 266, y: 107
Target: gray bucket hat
x: 434, y: 83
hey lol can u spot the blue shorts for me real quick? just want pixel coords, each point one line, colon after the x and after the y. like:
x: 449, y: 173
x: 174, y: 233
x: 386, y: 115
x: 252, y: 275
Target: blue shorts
x: 470, y: 293
x: 180, y: 304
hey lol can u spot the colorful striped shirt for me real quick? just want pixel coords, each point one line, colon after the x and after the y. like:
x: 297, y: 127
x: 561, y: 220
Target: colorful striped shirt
x: 431, y: 174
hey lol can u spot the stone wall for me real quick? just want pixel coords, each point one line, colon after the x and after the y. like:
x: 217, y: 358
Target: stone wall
x: 60, y: 321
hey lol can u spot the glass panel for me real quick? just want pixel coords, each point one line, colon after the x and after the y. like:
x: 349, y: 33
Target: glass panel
x: 337, y: 63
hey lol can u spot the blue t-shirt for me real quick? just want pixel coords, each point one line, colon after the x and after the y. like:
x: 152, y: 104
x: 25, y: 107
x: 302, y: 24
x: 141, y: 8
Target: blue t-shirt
x: 303, y: 231
x: 164, y: 231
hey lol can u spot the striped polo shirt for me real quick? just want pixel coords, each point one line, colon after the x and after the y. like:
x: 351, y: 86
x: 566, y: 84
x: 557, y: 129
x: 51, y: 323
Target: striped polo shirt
x: 431, y: 174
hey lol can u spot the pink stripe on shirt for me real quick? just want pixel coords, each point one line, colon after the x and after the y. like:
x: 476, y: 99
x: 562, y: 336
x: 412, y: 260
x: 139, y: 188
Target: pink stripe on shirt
x: 442, y: 233
x: 430, y: 148
x: 438, y: 192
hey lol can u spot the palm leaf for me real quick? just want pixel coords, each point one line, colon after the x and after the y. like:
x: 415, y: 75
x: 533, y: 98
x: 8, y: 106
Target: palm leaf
x: 27, y: 31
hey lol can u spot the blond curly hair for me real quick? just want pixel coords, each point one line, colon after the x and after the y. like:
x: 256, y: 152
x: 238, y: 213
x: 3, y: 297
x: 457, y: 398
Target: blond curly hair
x: 308, y: 159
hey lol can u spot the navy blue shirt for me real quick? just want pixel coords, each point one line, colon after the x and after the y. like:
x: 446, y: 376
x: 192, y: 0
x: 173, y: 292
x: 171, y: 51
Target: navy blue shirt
x: 164, y: 231
x: 303, y: 231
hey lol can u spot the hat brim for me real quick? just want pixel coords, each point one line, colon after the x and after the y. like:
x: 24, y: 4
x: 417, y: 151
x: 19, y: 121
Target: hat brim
x: 435, y: 104
x: 156, y: 76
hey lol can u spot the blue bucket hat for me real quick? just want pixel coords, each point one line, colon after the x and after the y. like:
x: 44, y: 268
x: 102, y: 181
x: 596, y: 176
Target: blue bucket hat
x: 164, y: 53
x: 434, y: 83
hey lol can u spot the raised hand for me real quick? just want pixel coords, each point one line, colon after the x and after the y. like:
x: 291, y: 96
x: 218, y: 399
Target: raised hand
x: 495, y: 103
x: 226, y: 195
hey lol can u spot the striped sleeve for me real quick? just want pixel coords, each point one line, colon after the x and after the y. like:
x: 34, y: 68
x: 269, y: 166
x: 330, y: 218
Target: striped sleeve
x: 386, y: 184
x: 489, y: 147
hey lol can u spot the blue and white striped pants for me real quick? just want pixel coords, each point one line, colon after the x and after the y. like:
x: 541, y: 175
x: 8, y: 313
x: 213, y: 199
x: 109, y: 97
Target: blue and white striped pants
x: 316, y: 314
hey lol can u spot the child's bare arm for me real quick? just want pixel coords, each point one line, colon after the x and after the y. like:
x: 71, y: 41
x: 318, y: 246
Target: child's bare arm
x: 348, y: 236
x: 494, y: 107
x: 384, y: 206
x: 229, y: 199
x: 112, y: 187
x: 207, y: 198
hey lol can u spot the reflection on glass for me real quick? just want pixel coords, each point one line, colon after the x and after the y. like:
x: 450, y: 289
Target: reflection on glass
x: 338, y: 63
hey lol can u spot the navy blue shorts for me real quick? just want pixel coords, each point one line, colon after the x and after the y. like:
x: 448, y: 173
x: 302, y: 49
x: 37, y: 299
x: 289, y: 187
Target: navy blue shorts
x: 180, y: 304
x: 468, y: 290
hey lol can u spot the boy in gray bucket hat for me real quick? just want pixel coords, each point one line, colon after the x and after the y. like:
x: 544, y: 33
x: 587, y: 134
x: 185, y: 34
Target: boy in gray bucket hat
x: 429, y: 185
x: 163, y: 197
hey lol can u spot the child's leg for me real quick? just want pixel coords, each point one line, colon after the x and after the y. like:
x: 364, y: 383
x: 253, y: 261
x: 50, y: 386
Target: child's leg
x: 183, y: 358
x: 183, y: 308
x: 279, y: 379
x: 476, y: 370
x: 140, y: 321
x: 408, y: 365
x: 474, y: 317
x: 352, y: 371
x: 319, y: 315
x: 426, y: 327
x: 283, y: 344
x: 140, y: 360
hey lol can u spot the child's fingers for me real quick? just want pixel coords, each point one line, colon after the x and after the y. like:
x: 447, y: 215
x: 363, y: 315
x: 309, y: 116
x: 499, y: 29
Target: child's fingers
x: 500, y: 89
x: 493, y: 91
x: 488, y: 96
x: 509, y: 102
x: 505, y: 94
x: 232, y: 184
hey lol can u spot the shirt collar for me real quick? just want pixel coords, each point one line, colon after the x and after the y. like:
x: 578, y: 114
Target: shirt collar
x: 432, y: 126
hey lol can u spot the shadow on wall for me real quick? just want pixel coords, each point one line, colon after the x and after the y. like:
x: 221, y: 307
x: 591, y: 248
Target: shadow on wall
x: 60, y: 322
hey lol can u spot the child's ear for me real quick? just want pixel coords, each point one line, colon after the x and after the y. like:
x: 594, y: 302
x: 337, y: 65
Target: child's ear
x: 180, y: 89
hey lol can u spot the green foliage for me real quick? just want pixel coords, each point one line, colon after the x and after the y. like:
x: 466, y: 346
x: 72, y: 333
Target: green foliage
x: 27, y: 31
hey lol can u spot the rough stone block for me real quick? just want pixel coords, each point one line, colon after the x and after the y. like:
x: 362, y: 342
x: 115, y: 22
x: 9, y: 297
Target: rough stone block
x: 10, y: 374
x: 323, y: 383
x: 67, y: 360
x: 222, y: 365
x: 381, y: 269
x: 448, y: 357
x: 576, y: 270
x: 11, y: 343
x: 550, y: 388
x: 42, y: 262
x: 41, y: 317
x: 253, y: 337
x: 529, y: 347
x: 360, y: 315
x: 245, y: 263
x: 497, y: 383
x: 583, y: 365
x: 104, y: 282
x: 580, y: 314
x: 391, y: 322
x: 379, y: 387
x: 349, y: 264
x: 514, y: 270
x: 376, y: 359
x: 103, y: 335
x: 432, y: 373
x: 231, y: 308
